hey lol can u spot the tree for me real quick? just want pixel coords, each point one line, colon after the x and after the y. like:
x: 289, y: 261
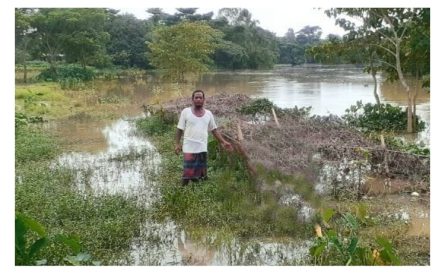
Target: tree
x: 127, y: 41
x: 396, y: 32
x: 183, y: 48
x: 24, y: 37
x: 77, y: 35
x: 352, y: 51
x: 84, y: 37
x: 293, y: 46
x: 237, y: 16
x: 230, y: 55
x: 260, y: 47
x: 184, y: 14
x: 289, y: 37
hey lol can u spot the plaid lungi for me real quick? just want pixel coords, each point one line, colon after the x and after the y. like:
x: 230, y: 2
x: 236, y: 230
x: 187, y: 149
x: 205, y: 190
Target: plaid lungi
x: 195, y: 166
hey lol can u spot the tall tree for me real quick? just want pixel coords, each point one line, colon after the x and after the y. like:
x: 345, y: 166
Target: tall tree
x: 260, y: 47
x: 127, y: 46
x: 76, y: 34
x: 394, y: 31
x: 237, y: 16
x: 183, y: 48
x: 24, y: 37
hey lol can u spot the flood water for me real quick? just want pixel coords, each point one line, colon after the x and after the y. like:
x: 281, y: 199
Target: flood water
x: 109, y: 157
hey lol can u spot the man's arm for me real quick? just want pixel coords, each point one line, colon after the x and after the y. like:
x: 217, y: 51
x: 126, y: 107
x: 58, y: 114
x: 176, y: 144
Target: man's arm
x: 221, y: 140
x: 179, y: 133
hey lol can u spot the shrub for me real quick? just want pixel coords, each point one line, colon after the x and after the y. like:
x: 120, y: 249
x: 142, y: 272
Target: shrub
x: 70, y: 71
x: 263, y: 106
x: 384, y: 118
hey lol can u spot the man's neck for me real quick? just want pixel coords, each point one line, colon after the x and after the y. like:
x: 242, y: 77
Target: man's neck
x: 198, y: 108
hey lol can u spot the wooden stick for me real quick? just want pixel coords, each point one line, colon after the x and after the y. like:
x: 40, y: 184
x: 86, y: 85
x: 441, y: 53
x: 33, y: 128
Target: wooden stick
x: 240, y: 134
x: 385, y: 154
x: 275, y: 117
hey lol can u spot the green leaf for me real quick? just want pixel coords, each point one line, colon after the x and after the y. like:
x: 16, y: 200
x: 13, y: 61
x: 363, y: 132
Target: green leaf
x: 383, y: 242
x: 71, y: 241
x: 362, y: 211
x: 20, y: 231
x: 317, y: 250
x: 333, y: 238
x: 351, y: 221
x: 36, y: 246
x: 388, y: 253
x: 32, y: 224
x: 352, y: 245
x: 327, y: 214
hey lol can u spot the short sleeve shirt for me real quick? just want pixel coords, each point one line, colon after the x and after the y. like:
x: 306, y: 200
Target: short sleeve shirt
x: 196, y: 130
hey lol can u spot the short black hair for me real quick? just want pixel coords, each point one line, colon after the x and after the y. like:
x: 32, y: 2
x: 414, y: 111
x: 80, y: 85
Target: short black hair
x: 198, y: 91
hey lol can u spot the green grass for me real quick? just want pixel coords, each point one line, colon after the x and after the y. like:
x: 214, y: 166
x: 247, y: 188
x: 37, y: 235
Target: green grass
x: 105, y: 225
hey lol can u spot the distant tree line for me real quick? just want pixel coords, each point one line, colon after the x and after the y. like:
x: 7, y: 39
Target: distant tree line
x: 102, y: 38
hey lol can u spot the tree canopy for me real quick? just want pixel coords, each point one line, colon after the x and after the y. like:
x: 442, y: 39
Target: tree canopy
x: 183, y: 48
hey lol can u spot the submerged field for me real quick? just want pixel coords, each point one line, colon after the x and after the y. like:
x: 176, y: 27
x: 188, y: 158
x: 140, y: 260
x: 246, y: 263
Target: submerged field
x: 96, y: 193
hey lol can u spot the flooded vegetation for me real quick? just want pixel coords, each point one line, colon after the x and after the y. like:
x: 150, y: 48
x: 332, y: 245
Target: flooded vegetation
x: 107, y: 156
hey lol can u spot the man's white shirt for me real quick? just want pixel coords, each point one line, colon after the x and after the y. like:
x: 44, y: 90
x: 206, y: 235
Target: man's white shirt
x: 195, y: 130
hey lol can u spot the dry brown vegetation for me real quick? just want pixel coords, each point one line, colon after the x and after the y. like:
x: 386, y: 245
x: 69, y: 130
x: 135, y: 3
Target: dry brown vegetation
x: 296, y: 145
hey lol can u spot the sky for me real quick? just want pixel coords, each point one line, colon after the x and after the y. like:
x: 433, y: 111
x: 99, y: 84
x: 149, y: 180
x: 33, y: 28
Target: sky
x: 274, y: 15
x: 277, y: 19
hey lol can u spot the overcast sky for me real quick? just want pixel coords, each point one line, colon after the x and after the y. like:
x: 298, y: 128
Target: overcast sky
x: 277, y: 19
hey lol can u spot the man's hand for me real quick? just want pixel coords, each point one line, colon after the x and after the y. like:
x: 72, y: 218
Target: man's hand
x: 177, y: 149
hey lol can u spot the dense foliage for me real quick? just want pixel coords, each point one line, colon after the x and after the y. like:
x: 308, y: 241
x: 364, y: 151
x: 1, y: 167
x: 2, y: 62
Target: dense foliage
x: 381, y: 118
x: 105, y: 38
x: 70, y: 71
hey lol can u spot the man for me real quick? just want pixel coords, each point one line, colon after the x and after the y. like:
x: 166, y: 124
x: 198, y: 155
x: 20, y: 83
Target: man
x: 195, y: 122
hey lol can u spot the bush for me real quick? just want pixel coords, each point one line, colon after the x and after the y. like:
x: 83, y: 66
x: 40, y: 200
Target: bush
x: 263, y: 106
x: 384, y: 118
x: 21, y: 120
x: 70, y: 71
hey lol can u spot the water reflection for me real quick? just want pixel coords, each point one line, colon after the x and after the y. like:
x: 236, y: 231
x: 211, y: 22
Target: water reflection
x: 126, y: 167
x: 166, y: 244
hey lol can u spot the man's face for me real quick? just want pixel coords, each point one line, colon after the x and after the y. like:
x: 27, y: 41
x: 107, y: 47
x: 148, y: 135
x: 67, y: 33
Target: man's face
x: 198, y: 99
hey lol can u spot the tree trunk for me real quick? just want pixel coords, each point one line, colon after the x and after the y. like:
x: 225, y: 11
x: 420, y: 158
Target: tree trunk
x: 416, y: 91
x: 414, y: 113
x: 409, y: 126
x: 377, y: 99
x: 25, y: 72
x: 25, y: 69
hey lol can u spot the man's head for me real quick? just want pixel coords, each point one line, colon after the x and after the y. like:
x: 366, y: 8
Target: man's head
x: 198, y: 98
